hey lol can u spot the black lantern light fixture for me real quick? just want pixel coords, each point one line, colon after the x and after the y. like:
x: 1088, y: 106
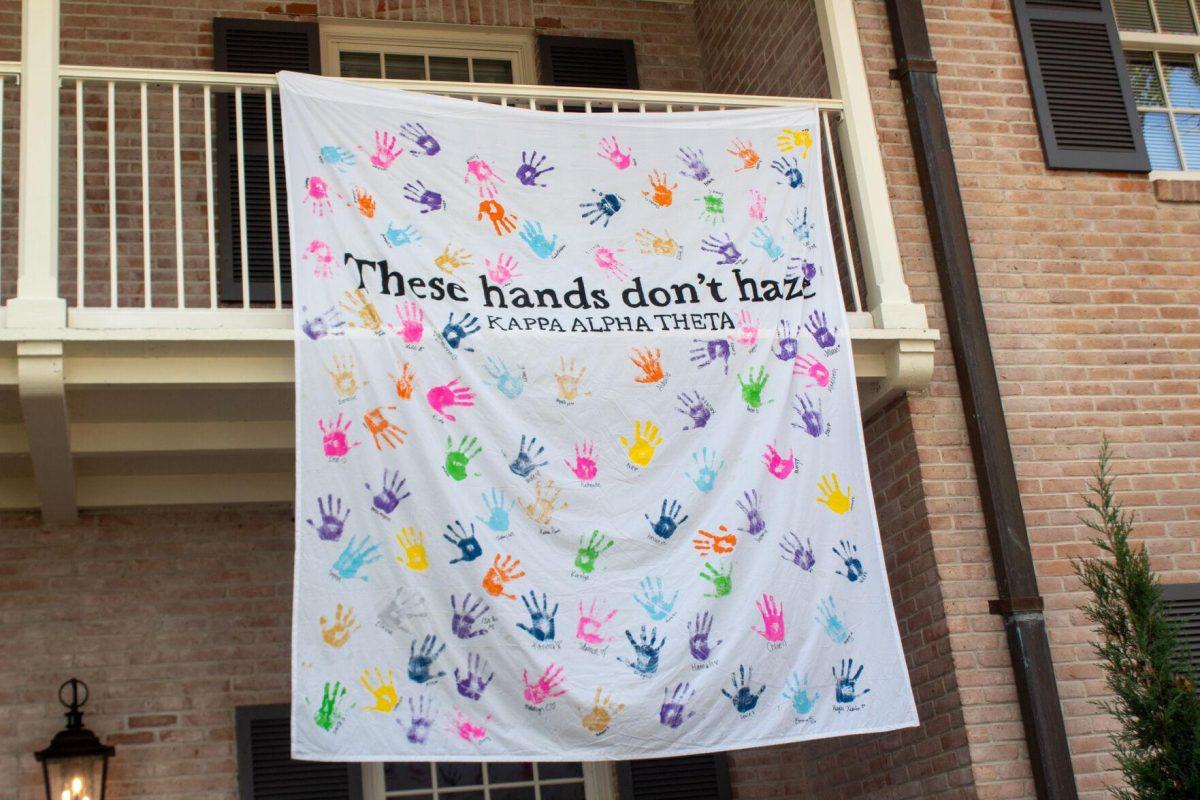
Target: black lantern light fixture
x: 75, y: 764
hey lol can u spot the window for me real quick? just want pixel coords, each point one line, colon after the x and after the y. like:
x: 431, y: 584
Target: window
x: 1161, y: 39
x: 494, y: 781
x: 420, y: 52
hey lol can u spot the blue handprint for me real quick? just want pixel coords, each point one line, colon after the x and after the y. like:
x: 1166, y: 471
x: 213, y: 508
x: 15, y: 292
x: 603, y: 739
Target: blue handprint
x: 354, y: 557
x: 603, y: 208
x: 420, y: 662
x: 531, y: 169
x: 832, y: 622
x: 510, y: 385
x: 743, y: 698
x: 472, y: 685
x: 525, y: 462
x: 336, y: 156
x: 849, y: 556
x: 333, y: 521
x: 455, y: 332
x: 802, y: 229
x: 497, y: 518
x: 462, y: 621
x: 422, y: 196
x: 668, y: 519
x: 789, y: 170
x: 323, y: 324
x: 797, y: 694
x: 654, y: 599
x: 756, y: 526
x: 467, y: 543
x: 764, y: 241
x: 541, y: 617
x: 846, y: 690
x: 416, y: 133
x: 533, y: 235
x: 818, y: 326
x: 389, y: 492
x: 706, y: 469
x: 786, y: 346
x: 645, y: 651
x: 796, y: 553
x: 398, y: 237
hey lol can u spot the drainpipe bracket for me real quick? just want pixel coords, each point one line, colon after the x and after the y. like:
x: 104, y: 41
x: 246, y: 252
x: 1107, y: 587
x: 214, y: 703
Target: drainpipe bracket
x: 907, y: 65
x: 1007, y: 606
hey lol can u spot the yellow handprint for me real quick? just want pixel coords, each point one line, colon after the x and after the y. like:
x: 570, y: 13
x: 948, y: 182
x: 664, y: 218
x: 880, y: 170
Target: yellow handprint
x: 601, y: 716
x: 344, y: 382
x: 789, y: 139
x: 832, y: 495
x: 568, y: 380
x: 448, y: 262
x: 338, y: 632
x: 541, y: 509
x: 356, y: 303
x: 651, y: 243
x: 412, y: 542
x: 645, y: 440
x: 384, y: 691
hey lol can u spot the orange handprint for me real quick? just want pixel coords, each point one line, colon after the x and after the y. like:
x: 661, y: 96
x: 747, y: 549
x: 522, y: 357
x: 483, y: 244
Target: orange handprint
x: 383, y: 431
x: 364, y: 202
x: 708, y: 543
x: 746, y: 153
x: 650, y: 363
x: 660, y: 194
x: 500, y: 573
x: 502, y: 223
x: 404, y: 383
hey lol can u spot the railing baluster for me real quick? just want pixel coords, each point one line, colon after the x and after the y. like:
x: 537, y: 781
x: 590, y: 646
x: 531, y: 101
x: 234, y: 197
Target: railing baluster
x: 841, y: 212
x: 146, y: 282
x: 112, y: 193
x: 80, y: 199
x: 275, y: 269
x: 2, y: 87
x: 241, y: 176
x: 179, y: 290
x: 208, y: 198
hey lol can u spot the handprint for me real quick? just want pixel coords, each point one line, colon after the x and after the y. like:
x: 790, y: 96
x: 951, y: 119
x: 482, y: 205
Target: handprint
x: 758, y: 211
x: 590, y: 624
x: 779, y: 466
x: 364, y: 202
x: 584, y: 467
x: 468, y: 545
x: 603, y: 208
x: 832, y: 622
x: 402, y: 610
x: 384, y: 691
x: 752, y: 387
x: 645, y: 651
x: 645, y: 441
x: 545, y: 502
x: 500, y: 573
x: 541, y: 617
x: 713, y: 210
x: 448, y: 262
x: 454, y: 333
x: 420, y: 719
x: 472, y: 685
x: 510, y: 384
x: 803, y: 230
x: 420, y: 662
x: 526, y: 461
x: 660, y: 194
x: 398, y: 237
x: 818, y: 326
x: 756, y: 526
x: 789, y: 139
x: 744, y: 152
x: 404, y: 383
x: 789, y: 172
x: 485, y: 177
x: 611, y: 151
x: 706, y: 351
x: 795, y: 552
x: 338, y: 632
x: 772, y: 617
x: 568, y: 380
x: 324, y: 324
x: 846, y: 685
x: 707, y: 543
x: 698, y: 634
x: 721, y: 580
x: 652, y: 244
x: 601, y: 716
x: 531, y: 169
x: 356, y: 303
x: 808, y: 365
x: 743, y: 698
x: 607, y: 260
x: 322, y: 256
x: 502, y: 221
x: 354, y: 556
x: 706, y: 469
x: 547, y: 687
x: 330, y: 712
x: 668, y: 519
x: 427, y: 198
x: 693, y: 165
x: 333, y: 521
x: 447, y: 396
x: 764, y: 241
x: 696, y: 408
x: 786, y: 344
x: 802, y: 702
x: 503, y: 271
x: 457, y: 458
x: 333, y: 437
x: 671, y: 712
x: 497, y: 514
x: 389, y: 495
x: 412, y: 545
x: 386, y: 151
x: 383, y: 431
x: 462, y: 620
x: 412, y: 322
x: 345, y: 383
x: 811, y: 419
x: 585, y: 558
x: 316, y: 194
x: 416, y: 133
x: 850, y: 562
x: 533, y: 235
x: 723, y: 247
x: 336, y: 156
x: 749, y: 329
x: 650, y: 363
x: 467, y: 730
x: 653, y: 598
x: 832, y: 496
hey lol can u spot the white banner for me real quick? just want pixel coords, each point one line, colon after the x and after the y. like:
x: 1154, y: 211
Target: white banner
x: 580, y: 467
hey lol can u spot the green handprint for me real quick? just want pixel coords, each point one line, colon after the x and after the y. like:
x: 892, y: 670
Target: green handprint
x: 329, y: 714
x: 752, y: 387
x: 585, y: 559
x: 722, y: 582
x: 457, y: 458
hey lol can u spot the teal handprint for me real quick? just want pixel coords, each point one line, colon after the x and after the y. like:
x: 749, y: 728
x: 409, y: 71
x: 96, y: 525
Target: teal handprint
x: 707, y: 467
x: 752, y: 387
x: 330, y: 712
x: 721, y: 579
x: 497, y: 518
x: 797, y: 694
x: 457, y: 458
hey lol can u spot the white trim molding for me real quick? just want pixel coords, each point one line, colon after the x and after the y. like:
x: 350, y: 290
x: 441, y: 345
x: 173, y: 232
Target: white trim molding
x: 1166, y: 42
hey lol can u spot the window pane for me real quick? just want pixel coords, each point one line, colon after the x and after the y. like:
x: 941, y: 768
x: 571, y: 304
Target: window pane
x: 504, y: 772
x: 571, y: 791
x: 1189, y: 138
x: 359, y: 65
x: 1160, y: 144
x: 1183, y: 81
x: 451, y: 774
x: 560, y: 769
x: 469, y: 794
x: 404, y: 66
x: 445, y: 68
x: 1174, y: 16
x: 406, y: 775
x: 513, y: 794
x: 491, y: 70
x: 1143, y: 76
x: 1133, y: 15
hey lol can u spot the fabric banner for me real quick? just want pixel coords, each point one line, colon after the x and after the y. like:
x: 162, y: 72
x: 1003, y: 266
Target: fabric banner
x: 580, y: 466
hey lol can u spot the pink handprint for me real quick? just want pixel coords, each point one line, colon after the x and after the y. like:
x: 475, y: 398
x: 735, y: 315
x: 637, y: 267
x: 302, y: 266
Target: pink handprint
x: 467, y: 730
x: 333, y: 437
x: 547, y: 687
x: 758, y: 205
x: 807, y: 364
x: 386, y: 151
x: 317, y: 193
x: 590, y: 624
x: 483, y: 173
x: 503, y: 271
x: 585, y: 461
x: 607, y: 260
x: 610, y: 150
x: 412, y: 322
x: 321, y: 253
x: 778, y: 465
x: 447, y: 396
x: 749, y: 333
x: 772, y: 616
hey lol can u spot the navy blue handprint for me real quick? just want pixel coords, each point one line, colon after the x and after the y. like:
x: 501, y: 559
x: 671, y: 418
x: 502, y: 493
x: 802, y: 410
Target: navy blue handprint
x: 849, y: 556
x: 455, y: 332
x: 525, y: 462
x: 743, y: 698
x: 789, y: 171
x: 541, y: 617
x: 420, y: 662
x: 603, y: 208
x: 467, y: 543
x: 668, y: 519
x: 645, y: 650
x: 846, y: 687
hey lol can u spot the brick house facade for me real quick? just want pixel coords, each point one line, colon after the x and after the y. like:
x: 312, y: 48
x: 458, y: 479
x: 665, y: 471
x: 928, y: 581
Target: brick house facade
x: 1091, y: 287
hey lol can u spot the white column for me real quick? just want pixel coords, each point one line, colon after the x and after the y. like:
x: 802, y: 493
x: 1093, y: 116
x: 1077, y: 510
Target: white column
x: 888, y: 298
x: 37, y: 303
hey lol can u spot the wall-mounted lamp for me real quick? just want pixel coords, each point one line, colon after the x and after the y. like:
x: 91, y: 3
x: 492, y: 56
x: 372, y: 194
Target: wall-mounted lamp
x: 75, y: 765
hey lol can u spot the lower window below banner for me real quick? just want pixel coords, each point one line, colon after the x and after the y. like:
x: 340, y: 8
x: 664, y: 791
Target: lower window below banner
x: 496, y: 781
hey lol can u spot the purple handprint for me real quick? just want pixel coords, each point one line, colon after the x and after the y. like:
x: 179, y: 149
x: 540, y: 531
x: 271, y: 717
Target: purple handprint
x: 756, y: 526
x: 417, y: 193
x: 725, y: 248
x: 420, y: 720
x: 333, y: 521
x: 389, y: 495
x: 323, y: 324
x: 695, y: 407
x: 818, y: 326
x: 810, y: 416
x: 462, y: 622
x: 693, y: 165
x: 698, y: 634
x: 786, y: 346
x: 706, y: 351
x: 416, y: 133
x: 798, y: 553
x: 531, y: 169
x: 472, y: 685
x: 674, y: 704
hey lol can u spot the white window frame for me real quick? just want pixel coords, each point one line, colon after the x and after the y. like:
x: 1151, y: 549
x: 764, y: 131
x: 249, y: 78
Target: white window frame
x: 517, y: 45
x: 599, y: 782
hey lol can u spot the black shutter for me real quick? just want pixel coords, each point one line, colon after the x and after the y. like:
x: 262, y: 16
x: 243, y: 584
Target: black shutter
x: 1080, y: 87
x: 246, y: 45
x: 1182, y: 602
x: 584, y: 61
x: 703, y: 777
x: 266, y: 770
